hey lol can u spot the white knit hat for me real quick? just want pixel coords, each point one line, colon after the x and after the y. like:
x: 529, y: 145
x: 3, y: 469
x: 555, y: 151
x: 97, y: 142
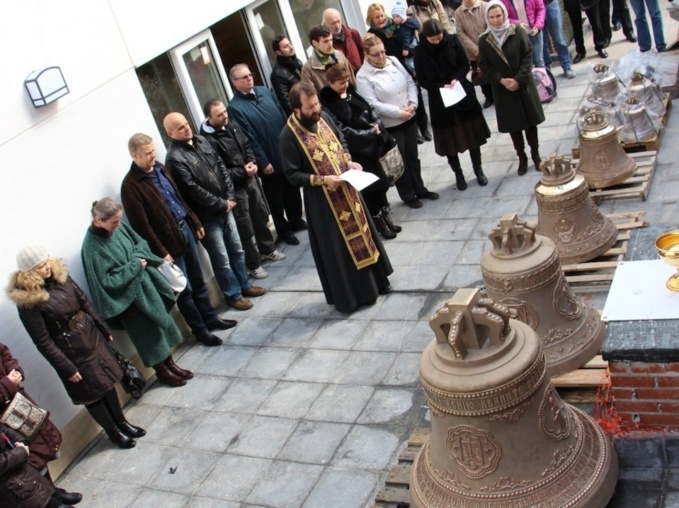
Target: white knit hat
x: 399, y: 9
x: 31, y: 256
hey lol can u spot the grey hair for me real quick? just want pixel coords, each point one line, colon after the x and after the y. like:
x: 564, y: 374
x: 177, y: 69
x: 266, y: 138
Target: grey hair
x: 105, y: 208
x: 232, y: 71
x: 137, y: 141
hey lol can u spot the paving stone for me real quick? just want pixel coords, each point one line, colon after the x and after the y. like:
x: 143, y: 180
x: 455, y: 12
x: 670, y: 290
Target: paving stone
x: 253, y: 331
x: 405, y: 370
x: 465, y: 276
x: 140, y: 464
x: 338, y: 334
x: 244, y: 395
x: 227, y: 360
x: 471, y: 252
x: 644, y: 479
x: 276, y: 303
x: 233, y: 477
x: 301, y: 278
x: 216, y: 431
x: 384, y: 336
x: 364, y: 368
x: 316, y: 366
x: 201, y: 392
x: 419, y: 278
x: 401, y: 306
x: 100, y: 494
x: 630, y: 497
x: 172, y: 425
x: 290, y: 399
x: 418, y: 338
x: 314, y: 442
x: 640, y: 452
x: 293, y: 332
x: 98, y: 461
x: 149, y: 497
x: 184, y: 471
x: 313, y: 305
x: 206, y: 502
x: 386, y: 405
x: 263, y: 437
x: 270, y: 363
x: 366, y: 448
x: 285, y: 484
x: 339, y: 403
x: 355, y: 485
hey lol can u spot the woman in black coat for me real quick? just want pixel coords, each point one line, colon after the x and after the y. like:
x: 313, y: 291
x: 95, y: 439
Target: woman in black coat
x: 441, y: 62
x: 506, y: 58
x: 71, y: 336
x: 366, y: 138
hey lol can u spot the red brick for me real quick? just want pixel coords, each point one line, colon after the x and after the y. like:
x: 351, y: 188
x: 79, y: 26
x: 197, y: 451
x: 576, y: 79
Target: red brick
x: 623, y: 393
x: 632, y: 381
x: 626, y: 418
x: 669, y: 407
x: 667, y: 381
x: 636, y: 406
x: 660, y: 419
x: 619, y: 367
x: 653, y: 368
x: 658, y: 393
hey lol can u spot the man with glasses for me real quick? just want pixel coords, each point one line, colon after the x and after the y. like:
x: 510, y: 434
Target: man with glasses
x: 345, y: 39
x: 286, y: 72
x: 324, y: 54
x: 260, y: 115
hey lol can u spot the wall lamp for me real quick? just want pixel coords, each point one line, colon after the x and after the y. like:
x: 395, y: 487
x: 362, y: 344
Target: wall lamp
x: 45, y: 86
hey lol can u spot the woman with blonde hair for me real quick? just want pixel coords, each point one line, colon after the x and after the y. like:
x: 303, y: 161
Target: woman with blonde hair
x: 72, y: 337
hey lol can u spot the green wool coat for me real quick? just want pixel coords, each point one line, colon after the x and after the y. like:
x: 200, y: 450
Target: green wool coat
x: 118, y: 282
x: 520, y: 109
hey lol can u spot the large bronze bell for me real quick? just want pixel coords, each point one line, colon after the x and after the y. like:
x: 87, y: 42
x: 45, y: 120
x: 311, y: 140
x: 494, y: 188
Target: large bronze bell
x: 605, y: 83
x: 568, y: 216
x: 521, y: 271
x: 501, y: 437
x: 603, y: 162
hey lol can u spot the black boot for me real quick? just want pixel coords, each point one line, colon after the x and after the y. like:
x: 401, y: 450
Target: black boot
x: 100, y: 413
x: 382, y: 227
x: 460, y: 182
x: 532, y: 139
x: 67, y: 498
x: 475, y: 156
x: 519, y: 146
x: 113, y: 405
x: 390, y: 223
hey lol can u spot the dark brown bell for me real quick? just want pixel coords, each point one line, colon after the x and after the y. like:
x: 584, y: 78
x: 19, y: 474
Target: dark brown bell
x: 521, y: 271
x: 605, y: 83
x: 501, y: 437
x: 603, y: 162
x: 568, y: 216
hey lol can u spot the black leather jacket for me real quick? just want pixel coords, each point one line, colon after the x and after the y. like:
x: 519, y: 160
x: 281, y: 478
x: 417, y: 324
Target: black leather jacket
x: 286, y: 73
x: 201, y: 176
x: 233, y: 146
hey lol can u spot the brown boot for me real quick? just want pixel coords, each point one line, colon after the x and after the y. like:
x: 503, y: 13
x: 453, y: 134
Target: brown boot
x: 167, y: 377
x: 176, y: 369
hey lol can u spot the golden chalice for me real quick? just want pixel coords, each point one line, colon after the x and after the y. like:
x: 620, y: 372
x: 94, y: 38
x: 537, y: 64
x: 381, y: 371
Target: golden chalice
x: 667, y: 246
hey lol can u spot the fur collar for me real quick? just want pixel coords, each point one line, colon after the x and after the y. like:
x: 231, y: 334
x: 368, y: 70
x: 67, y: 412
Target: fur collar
x: 27, y: 289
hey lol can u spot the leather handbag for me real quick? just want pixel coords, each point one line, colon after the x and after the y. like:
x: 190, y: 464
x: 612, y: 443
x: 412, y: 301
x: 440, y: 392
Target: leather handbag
x: 24, y: 416
x: 392, y: 165
x: 173, y: 275
x: 132, y: 382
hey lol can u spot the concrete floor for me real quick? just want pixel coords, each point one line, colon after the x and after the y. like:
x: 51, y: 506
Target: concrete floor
x: 305, y: 407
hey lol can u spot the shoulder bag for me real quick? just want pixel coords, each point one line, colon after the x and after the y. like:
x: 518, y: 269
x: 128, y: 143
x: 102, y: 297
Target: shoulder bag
x: 132, y: 382
x: 392, y: 164
x: 24, y: 416
x: 173, y: 275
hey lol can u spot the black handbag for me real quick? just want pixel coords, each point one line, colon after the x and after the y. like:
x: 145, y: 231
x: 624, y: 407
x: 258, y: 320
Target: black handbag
x: 132, y: 382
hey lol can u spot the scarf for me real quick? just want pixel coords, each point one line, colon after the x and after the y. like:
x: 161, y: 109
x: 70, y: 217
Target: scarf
x: 389, y: 29
x: 387, y: 61
x: 326, y: 59
x: 499, y: 34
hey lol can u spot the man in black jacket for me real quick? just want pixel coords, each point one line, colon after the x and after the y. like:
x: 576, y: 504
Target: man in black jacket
x: 286, y: 72
x: 158, y: 213
x: 206, y: 185
x: 252, y: 216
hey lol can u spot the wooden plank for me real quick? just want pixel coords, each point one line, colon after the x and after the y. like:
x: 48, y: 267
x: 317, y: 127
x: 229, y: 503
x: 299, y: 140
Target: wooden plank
x: 396, y: 495
x: 580, y: 378
x: 400, y: 474
x: 597, y: 362
x: 578, y: 395
x: 590, y: 265
x: 419, y: 437
x: 409, y: 454
x: 590, y: 278
x: 626, y: 215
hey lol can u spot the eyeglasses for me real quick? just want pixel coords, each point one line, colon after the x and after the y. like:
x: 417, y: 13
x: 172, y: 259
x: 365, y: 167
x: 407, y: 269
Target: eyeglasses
x: 245, y: 76
x: 377, y: 53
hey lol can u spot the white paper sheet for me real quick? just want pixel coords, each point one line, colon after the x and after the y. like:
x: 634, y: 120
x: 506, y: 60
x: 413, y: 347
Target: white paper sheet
x: 359, y: 180
x: 453, y: 95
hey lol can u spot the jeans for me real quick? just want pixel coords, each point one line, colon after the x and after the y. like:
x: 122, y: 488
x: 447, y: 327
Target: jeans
x: 227, y: 256
x: 194, y: 302
x: 536, y: 42
x: 642, y: 25
x: 553, y: 25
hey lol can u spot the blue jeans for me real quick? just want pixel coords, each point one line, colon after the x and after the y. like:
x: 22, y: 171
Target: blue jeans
x: 536, y: 42
x: 642, y: 25
x: 194, y: 301
x: 227, y: 256
x: 553, y: 25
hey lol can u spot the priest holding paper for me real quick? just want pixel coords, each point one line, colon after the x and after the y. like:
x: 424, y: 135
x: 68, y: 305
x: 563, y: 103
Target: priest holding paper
x: 350, y: 258
x: 441, y: 66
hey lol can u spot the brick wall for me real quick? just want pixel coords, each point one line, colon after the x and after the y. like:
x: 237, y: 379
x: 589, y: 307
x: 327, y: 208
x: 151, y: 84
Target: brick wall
x: 646, y: 394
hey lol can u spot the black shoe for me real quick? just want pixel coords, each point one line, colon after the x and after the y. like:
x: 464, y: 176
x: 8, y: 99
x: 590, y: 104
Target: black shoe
x: 291, y: 239
x: 117, y: 437
x: 130, y: 430
x: 209, y: 339
x: 607, y: 43
x: 662, y: 49
x: 420, y: 140
x: 414, y: 203
x: 69, y: 498
x: 578, y: 58
x: 488, y: 103
x: 631, y: 38
x: 385, y: 290
x: 221, y: 324
x: 602, y: 53
x: 382, y: 227
x: 387, y: 218
x: 616, y: 27
x: 432, y: 196
x: 298, y: 225
x: 426, y: 135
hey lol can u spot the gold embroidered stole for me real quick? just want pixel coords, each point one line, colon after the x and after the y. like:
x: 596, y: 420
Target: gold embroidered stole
x: 325, y: 154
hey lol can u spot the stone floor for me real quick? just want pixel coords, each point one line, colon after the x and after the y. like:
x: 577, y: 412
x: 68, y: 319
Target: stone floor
x: 305, y: 407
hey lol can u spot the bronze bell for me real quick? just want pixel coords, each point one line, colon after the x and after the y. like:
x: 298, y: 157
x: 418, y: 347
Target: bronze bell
x: 605, y: 83
x: 603, y: 162
x: 638, y: 126
x: 648, y: 93
x: 568, y: 216
x: 522, y: 271
x: 501, y: 437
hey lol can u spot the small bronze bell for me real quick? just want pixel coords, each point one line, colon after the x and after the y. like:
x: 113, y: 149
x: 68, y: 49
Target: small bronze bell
x: 522, y: 271
x: 648, y: 92
x: 603, y: 162
x: 605, y: 83
x: 638, y: 126
x: 501, y: 436
x: 568, y: 216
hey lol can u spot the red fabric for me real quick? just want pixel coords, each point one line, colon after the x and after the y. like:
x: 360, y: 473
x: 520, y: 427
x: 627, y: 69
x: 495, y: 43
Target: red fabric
x: 352, y: 47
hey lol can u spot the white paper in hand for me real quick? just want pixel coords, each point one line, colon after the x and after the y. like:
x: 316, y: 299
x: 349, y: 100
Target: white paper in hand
x: 359, y: 180
x: 453, y: 95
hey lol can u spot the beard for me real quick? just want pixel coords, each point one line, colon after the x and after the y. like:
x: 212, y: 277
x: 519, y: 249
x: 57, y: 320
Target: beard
x: 312, y: 118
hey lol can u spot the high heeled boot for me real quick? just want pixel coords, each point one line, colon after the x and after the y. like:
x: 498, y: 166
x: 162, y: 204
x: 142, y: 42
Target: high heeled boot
x: 475, y: 156
x: 100, y: 413
x: 382, y: 227
x: 390, y: 223
x: 532, y: 139
x: 455, y: 165
x: 519, y: 146
x: 113, y: 405
x: 167, y: 377
x: 176, y: 369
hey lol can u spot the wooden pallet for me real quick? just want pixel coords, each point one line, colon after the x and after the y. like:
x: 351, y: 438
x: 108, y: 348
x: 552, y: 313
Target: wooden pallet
x: 652, y: 144
x: 396, y: 490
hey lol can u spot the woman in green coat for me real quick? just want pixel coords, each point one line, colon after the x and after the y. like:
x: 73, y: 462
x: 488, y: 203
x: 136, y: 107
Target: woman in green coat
x: 128, y: 290
x: 505, y: 58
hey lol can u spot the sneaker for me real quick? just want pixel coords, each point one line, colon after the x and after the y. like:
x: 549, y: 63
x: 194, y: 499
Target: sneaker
x: 242, y: 304
x: 274, y: 256
x: 569, y: 73
x: 258, y: 273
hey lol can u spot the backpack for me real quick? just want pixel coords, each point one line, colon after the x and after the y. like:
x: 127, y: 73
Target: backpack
x: 545, y: 83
